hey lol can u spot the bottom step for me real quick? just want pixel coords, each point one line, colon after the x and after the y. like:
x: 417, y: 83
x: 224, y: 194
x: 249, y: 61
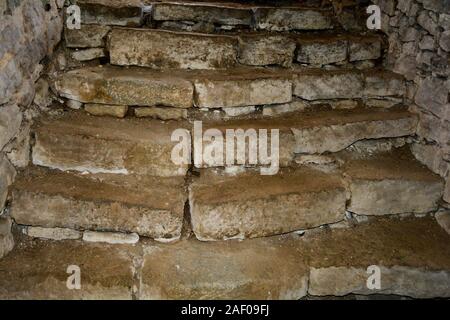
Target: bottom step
x: 413, y: 256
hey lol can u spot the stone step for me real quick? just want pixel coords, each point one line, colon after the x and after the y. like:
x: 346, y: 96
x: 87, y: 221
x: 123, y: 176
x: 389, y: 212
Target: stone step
x: 79, y: 142
x: 311, y: 132
x: 226, y: 205
x: 238, y: 87
x: 412, y: 254
x: 181, y: 50
x: 251, y: 205
x: 149, y: 206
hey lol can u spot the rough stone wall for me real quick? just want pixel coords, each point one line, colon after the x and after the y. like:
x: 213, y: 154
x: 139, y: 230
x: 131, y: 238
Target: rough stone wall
x: 419, y: 49
x: 29, y: 30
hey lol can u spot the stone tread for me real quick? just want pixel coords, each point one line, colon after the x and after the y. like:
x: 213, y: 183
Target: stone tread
x: 267, y: 268
x: 149, y: 206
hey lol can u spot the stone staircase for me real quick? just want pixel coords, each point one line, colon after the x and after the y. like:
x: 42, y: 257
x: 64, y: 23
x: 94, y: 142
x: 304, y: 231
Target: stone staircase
x: 349, y: 194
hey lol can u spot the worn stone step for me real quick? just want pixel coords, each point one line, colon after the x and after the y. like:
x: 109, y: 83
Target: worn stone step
x: 391, y: 183
x: 251, y: 205
x: 236, y: 87
x: 149, y: 206
x: 79, y: 142
x: 413, y: 256
x: 40, y: 270
x: 311, y: 132
x: 166, y: 49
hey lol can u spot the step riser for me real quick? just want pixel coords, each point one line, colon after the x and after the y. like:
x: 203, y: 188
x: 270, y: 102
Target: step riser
x: 33, y: 209
x: 269, y: 216
x: 169, y: 50
x: 140, y: 87
x: 96, y: 155
x: 163, y: 49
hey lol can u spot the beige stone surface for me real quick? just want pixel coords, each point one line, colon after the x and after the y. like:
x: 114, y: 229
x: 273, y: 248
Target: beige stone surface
x: 136, y: 87
x: 6, y: 237
x: 162, y: 113
x: 167, y: 49
x: 392, y: 183
x: 384, y: 83
x: 318, y: 85
x: 443, y: 218
x: 196, y: 12
x: 321, y: 50
x: 265, y: 49
x: 77, y: 141
x: 111, y: 237
x: 148, y: 206
x: 364, y: 48
x: 88, y: 54
x: 253, y: 269
x: 7, y: 175
x: 38, y: 270
x: 106, y: 110
x: 250, y: 205
x: 10, y: 120
x: 89, y: 36
x: 52, y: 233
x: 403, y: 281
x: 243, y: 87
x: 283, y: 19
x: 112, y: 12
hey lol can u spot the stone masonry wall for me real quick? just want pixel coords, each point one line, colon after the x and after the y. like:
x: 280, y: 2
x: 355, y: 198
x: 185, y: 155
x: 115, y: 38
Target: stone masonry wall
x: 29, y: 30
x: 419, y: 49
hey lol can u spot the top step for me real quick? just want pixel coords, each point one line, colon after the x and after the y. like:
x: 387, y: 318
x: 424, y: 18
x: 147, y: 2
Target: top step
x: 215, y: 15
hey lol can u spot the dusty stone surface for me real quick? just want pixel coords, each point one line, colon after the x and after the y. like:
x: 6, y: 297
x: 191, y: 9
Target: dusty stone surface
x: 323, y: 50
x: 138, y: 87
x: 107, y: 145
x: 111, y: 237
x: 253, y: 269
x: 242, y: 88
x: 392, y: 183
x: 100, y: 202
x: 250, y: 205
x: 10, y: 120
x: 7, y: 174
x: 89, y: 36
x: 88, y: 54
x: 431, y: 156
x: 52, y: 233
x: 161, y: 113
x: 349, y: 127
x: 413, y: 254
x: 37, y: 270
x: 200, y: 13
x: 118, y: 13
x: 443, y: 218
x: 106, y: 110
x: 6, y: 237
x: 396, y: 280
x: 239, y: 111
x: 294, y: 106
x: 316, y: 85
x: 283, y: 19
x: 166, y: 49
x: 384, y: 83
x: 447, y: 191
x: 364, y: 48
x: 256, y: 50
